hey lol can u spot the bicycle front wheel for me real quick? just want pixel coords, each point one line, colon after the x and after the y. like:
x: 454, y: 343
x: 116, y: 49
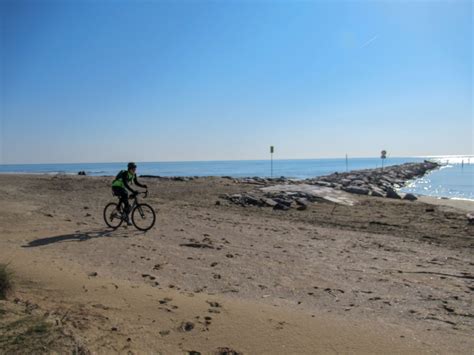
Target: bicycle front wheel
x: 143, y: 217
x: 113, y: 215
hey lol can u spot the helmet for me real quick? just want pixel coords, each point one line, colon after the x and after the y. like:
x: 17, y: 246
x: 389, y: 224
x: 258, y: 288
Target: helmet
x: 131, y: 166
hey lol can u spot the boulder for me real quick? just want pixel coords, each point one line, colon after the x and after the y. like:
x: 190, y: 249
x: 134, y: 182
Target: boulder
x: 281, y: 207
x: 323, y: 183
x: 302, y: 202
x: 345, y: 182
x: 251, y: 200
x: 470, y: 218
x: 386, y: 180
x: 359, y: 190
x: 391, y: 193
x: 377, y: 193
x: 410, y: 197
x: 281, y: 201
x: 358, y: 182
x: 269, y: 202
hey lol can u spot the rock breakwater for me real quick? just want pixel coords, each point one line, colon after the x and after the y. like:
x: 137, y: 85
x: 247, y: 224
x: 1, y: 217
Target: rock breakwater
x: 377, y: 182
x: 283, y: 194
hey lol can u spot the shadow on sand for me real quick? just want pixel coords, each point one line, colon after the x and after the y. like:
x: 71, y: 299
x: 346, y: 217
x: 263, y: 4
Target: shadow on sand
x: 78, y: 237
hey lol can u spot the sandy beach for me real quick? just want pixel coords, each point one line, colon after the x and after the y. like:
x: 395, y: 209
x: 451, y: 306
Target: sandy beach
x: 212, y: 277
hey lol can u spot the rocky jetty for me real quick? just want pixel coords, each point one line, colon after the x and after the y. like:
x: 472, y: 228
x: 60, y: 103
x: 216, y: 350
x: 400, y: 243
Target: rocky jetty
x: 377, y: 182
x: 335, y: 188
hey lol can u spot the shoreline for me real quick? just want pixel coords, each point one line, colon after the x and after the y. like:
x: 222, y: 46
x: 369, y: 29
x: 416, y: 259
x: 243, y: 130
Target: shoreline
x: 456, y: 202
x: 461, y: 204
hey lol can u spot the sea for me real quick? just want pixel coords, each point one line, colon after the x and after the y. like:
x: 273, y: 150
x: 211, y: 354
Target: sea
x: 455, y: 179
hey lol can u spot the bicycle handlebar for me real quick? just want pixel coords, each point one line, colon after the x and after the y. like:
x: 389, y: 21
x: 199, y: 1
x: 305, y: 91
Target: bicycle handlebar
x: 145, y: 194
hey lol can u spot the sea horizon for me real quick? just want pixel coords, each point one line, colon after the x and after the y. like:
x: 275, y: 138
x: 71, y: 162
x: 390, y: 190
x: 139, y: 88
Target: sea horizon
x: 449, y: 156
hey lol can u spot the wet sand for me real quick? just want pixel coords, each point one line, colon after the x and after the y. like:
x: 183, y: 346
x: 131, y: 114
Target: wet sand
x: 380, y: 276
x: 459, y: 204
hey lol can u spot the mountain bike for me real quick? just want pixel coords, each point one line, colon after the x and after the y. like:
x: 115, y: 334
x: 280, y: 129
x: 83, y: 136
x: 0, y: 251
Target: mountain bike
x: 143, y: 215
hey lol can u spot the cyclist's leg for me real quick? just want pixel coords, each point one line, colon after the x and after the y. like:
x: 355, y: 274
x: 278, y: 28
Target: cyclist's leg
x: 116, y: 192
x: 122, y: 194
x: 127, y: 208
x: 125, y: 202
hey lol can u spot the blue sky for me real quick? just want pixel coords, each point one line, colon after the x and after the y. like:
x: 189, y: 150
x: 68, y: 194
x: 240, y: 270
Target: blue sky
x: 97, y: 81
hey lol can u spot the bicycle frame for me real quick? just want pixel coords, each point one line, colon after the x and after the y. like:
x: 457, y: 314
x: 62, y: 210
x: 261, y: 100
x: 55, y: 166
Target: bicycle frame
x: 135, y: 201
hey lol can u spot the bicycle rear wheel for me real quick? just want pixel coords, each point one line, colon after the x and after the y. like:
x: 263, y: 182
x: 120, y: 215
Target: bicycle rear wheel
x: 113, y: 215
x: 143, y: 217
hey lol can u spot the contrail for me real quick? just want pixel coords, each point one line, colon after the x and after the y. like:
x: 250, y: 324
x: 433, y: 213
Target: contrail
x: 369, y: 41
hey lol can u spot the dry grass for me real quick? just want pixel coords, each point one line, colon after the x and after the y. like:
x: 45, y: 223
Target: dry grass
x: 6, y: 283
x: 24, y: 333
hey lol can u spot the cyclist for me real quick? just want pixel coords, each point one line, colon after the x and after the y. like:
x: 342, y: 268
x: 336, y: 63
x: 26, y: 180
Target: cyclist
x: 121, y: 184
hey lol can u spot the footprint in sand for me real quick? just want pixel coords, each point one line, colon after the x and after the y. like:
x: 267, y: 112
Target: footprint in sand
x: 186, y: 326
x: 227, y: 351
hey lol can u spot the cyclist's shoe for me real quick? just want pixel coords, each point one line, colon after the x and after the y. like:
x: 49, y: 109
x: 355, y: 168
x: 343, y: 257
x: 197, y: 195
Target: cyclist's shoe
x: 129, y: 222
x: 115, y: 215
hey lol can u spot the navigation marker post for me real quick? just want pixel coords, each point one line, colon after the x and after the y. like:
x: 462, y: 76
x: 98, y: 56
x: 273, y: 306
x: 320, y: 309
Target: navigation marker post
x: 272, y: 149
x: 383, y: 156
